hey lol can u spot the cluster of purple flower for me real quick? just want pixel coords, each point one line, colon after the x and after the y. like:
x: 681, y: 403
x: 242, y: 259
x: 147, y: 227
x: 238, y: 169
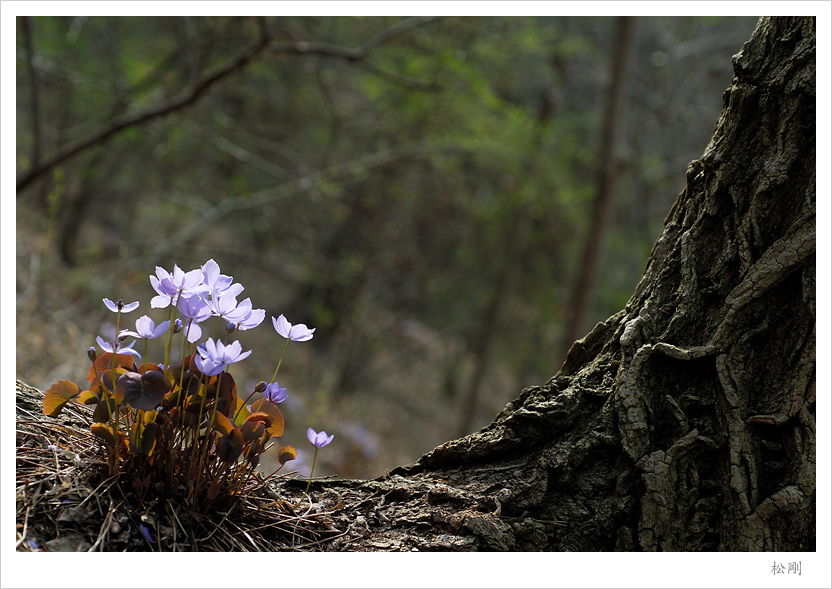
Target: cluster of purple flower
x: 181, y: 424
x: 198, y: 295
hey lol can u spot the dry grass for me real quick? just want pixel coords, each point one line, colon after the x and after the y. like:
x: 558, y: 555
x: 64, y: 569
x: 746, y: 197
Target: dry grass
x: 66, y: 503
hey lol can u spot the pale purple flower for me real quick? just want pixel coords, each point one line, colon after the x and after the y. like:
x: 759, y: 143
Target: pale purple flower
x: 245, y: 317
x: 108, y: 347
x: 194, y: 310
x: 146, y: 328
x: 223, y: 305
x: 214, y: 357
x: 296, y: 333
x: 275, y: 393
x: 217, y: 283
x: 169, y: 286
x: 319, y: 440
x: 120, y: 307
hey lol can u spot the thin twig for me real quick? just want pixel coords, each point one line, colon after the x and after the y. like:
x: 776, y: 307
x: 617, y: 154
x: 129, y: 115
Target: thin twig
x: 104, y: 532
x: 358, y: 55
x: 25, y: 529
x: 318, y: 542
x: 397, y: 29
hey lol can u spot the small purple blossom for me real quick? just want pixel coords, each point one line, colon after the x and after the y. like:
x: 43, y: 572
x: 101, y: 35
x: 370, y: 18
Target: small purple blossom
x: 214, y: 357
x: 245, y: 317
x: 108, y: 347
x: 146, y: 328
x: 296, y: 333
x: 120, y: 307
x: 194, y: 310
x: 223, y: 305
x: 319, y: 440
x: 170, y: 286
x: 275, y: 393
x: 146, y: 533
x: 216, y: 283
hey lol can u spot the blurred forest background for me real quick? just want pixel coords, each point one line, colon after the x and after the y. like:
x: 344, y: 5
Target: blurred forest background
x: 449, y: 202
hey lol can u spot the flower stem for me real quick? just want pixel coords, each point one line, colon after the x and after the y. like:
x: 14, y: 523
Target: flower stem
x: 240, y: 408
x: 309, y: 484
x: 274, y: 376
x: 169, y: 341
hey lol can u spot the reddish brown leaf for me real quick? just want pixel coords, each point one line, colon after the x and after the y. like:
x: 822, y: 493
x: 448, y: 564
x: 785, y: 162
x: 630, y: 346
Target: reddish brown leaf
x: 286, y: 453
x: 275, y: 428
x: 102, y: 363
x: 105, y: 433
x: 58, y: 395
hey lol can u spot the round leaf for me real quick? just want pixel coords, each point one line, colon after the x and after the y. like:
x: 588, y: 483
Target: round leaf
x: 276, y: 427
x: 285, y: 454
x: 58, y: 395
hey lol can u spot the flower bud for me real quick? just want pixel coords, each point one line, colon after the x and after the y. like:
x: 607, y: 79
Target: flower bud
x: 177, y: 326
x: 261, y: 386
x: 230, y: 328
x: 92, y: 354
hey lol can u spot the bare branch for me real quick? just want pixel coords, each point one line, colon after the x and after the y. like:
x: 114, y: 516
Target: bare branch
x: 120, y: 123
x: 392, y: 31
x: 399, y: 79
x: 192, y: 94
x: 358, y: 55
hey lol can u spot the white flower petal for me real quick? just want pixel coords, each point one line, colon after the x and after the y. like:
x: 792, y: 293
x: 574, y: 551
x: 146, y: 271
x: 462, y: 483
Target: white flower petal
x: 194, y: 331
x: 130, y: 307
x: 211, y: 271
x: 160, y: 301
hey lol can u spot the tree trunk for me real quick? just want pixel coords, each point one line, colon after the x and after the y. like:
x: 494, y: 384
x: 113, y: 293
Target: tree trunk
x: 687, y: 420
x: 684, y: 422
x: 583, y: 290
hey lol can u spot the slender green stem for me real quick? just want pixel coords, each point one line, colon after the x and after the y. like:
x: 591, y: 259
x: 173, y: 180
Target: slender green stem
x: 274, y: 376
x: 240, y: 408
x: 195, y: 430
x: 116, y: 446
x: 314, y: 459
x: 216, y: 326
x: 185, y: 343
x: 115, y: 341
x: 169, y: 341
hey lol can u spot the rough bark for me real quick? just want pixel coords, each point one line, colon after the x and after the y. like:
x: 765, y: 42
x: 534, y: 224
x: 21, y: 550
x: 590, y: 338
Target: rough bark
x: 687, y: 420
